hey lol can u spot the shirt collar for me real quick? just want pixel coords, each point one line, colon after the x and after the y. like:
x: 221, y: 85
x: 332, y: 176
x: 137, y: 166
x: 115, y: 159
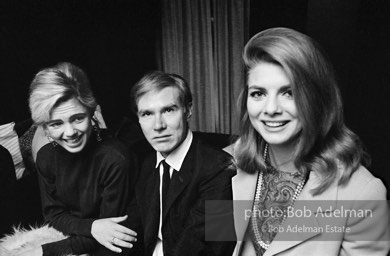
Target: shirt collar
x: 176, y: 157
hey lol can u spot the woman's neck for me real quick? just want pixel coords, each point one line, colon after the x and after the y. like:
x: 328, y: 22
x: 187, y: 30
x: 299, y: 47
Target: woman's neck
x: 282, y: 157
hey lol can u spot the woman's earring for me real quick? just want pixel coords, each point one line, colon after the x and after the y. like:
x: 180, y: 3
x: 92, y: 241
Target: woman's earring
x: 52, y: 141
x: 97, y: 131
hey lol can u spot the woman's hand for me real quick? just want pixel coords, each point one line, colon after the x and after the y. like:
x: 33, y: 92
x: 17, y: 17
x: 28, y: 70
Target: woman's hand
x: 111, y: 234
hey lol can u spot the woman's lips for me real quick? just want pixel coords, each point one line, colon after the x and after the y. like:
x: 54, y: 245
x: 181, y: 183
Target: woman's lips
x: 275, y: 124
x: 73, y: 141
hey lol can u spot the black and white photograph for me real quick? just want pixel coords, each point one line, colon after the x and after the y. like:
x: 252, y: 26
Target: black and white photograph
x: 194, y: 127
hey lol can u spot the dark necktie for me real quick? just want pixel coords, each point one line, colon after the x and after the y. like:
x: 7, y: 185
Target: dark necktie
x: 165, y: 185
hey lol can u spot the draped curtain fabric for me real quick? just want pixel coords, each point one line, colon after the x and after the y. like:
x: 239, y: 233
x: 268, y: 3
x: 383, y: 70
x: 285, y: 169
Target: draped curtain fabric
x: 202, y: 40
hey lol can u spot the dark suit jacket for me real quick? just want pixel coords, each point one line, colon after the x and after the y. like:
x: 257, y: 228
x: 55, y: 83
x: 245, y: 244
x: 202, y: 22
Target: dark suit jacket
x: 205, y: 175
x: 7, y: 191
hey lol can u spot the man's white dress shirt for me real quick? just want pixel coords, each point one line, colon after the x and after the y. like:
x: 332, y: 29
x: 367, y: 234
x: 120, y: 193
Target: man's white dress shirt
x: 174, y: 160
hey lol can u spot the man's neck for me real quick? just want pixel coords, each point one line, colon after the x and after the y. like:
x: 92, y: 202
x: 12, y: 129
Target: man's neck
x: 176, y: 157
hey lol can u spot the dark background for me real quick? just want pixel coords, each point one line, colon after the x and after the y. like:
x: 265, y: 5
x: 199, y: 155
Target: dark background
x: 112, y: 41
x: 116, y: 42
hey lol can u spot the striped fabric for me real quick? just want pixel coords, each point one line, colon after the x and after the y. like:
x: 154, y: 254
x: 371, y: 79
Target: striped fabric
x: 9, y: 139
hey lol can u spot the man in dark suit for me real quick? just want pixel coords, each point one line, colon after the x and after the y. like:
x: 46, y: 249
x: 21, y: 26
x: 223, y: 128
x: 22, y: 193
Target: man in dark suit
x: 176, y: 182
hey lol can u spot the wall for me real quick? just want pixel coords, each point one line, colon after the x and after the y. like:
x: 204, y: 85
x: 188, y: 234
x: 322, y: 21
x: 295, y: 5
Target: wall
x: 113, y: 41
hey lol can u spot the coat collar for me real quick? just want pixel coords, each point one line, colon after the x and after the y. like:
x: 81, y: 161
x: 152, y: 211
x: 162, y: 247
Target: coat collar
x: 244, y: 186
x: 182, y: 178
x: 148, y: 191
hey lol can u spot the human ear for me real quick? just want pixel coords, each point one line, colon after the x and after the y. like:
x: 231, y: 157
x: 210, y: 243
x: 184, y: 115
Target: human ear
x: 97, y: 117
x: 189, y: 111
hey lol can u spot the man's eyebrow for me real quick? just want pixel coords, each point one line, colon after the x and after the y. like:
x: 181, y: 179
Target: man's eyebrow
x: 173, y: 105
x: 143, y: 111
x: 170, y: 106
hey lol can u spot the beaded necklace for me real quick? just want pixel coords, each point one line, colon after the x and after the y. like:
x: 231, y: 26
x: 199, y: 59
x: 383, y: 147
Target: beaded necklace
x: 260, y: 184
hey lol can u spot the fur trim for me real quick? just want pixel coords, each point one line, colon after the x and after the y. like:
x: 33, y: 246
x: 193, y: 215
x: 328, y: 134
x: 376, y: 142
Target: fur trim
x: 25, y: 239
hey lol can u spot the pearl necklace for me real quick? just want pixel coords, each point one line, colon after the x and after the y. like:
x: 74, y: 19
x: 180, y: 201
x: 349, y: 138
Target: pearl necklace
x: 260, y: 184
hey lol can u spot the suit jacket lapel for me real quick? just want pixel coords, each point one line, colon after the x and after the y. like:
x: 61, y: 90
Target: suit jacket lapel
x: 180, y: 179
x: 149, y: 201
x: 283, y: 240
x: 244, y: 187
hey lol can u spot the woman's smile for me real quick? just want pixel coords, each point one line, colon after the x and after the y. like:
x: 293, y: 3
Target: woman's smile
x: 271, y: 105
x: 70, y: 125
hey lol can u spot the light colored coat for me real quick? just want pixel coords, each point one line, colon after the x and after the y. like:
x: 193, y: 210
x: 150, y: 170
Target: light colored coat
x: 361, y: 187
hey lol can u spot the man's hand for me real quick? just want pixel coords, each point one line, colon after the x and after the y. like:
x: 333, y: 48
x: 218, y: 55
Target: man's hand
x: 111, y: 234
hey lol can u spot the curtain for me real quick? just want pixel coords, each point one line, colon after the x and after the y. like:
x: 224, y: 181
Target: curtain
x: 202, y: 40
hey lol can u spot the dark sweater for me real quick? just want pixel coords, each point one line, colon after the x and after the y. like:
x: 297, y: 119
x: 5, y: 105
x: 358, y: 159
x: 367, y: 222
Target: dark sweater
x: 78, y: 188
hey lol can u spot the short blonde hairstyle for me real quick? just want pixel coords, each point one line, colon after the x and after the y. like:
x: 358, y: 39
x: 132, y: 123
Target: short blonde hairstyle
x: 158, y: 80
x: 53, y: 86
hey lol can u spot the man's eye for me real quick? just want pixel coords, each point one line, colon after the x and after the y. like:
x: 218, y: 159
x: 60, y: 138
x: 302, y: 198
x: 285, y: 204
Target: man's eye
x: 145, y: 114
x: 169, y: 110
